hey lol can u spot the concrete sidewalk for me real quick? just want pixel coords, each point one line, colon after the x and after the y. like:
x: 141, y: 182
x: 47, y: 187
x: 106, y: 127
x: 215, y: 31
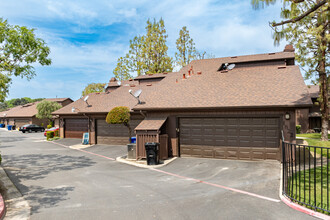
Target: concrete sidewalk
x: 16, y: 206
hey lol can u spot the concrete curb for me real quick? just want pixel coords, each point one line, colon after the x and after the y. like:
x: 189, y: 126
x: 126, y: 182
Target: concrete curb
x: 133, y: 163
x: 16, y: 206
x: 2, y: 207
x: 298, y: 207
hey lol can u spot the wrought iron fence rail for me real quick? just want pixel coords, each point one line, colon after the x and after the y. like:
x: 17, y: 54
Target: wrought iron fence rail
x: 306, y: 175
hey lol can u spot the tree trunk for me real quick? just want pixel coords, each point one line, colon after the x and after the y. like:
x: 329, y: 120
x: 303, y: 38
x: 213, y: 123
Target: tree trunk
x: 324, y: 90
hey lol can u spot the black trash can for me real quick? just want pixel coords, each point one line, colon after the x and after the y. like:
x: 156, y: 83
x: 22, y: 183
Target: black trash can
x: 152, y: 153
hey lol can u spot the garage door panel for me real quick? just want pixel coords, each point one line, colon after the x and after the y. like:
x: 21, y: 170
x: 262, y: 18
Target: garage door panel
x: 114, y: 134
x: 230, y: 133
x: 75, y: 127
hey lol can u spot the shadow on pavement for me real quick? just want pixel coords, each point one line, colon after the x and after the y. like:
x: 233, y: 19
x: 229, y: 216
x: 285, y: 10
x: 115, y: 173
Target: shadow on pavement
x: 40, y: 197
x: 21, y: 168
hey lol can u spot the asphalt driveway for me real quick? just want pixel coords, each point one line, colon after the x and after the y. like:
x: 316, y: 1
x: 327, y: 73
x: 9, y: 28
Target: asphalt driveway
x: 63, y: 183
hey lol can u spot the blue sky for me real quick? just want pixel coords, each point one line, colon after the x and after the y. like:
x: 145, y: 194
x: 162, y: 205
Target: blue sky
x: 87, y: 37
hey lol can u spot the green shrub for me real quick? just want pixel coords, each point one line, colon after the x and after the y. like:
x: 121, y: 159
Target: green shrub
x: 298, y: 129
x: 42, y: 124
x: 56, y: 133
x: 118, y: 115
x: 50, y: 134
x: 49, y: 126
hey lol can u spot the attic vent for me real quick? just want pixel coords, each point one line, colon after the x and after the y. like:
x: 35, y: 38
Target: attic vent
x: 234, y: 57
x: 271, y: 53
x: 132, y: 85
x: 199, y: 72
x: 165, y: 73
x: 130, y: 80
x: 149, y: 85
x: 281, y: 67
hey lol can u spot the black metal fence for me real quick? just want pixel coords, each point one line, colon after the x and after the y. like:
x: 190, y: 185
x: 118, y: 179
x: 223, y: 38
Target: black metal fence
x: 306, y: 175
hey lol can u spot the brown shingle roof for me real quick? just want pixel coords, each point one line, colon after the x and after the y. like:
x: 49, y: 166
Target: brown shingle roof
x: 58, y: 99
x: 314, y: 90
x: 151, y: 124
x: 242, y: 87
x: 27, y: 110
x: 151, y: 76
x: 30, y: 109
x: 104, y: 102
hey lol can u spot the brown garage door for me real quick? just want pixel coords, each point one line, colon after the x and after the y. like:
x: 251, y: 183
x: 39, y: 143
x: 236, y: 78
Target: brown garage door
x: 74, y: 128
x: 21, y: 122
x: 235, y: 138
x: 113, y: 134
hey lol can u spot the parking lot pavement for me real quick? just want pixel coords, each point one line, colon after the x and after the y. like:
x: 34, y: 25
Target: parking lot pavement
x: 69, y: 141
x: 63, y: 183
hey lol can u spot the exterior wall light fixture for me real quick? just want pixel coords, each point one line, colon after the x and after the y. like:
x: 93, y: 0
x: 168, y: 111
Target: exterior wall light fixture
x: 287, y: 116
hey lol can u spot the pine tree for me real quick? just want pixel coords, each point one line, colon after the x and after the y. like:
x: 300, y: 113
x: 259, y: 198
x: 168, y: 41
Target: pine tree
x: 306, y: 26
x: 186, y: 48
x: 147, y: 53
x: 121, y: 71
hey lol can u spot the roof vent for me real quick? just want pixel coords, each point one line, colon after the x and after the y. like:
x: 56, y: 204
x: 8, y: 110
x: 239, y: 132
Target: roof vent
x: 165, y: 73
x: 132, y: 85
x: 234, y: 57
x: 199, y: 72
x: 183, y: 76
x: 130, y: 80
x: 149, y: 84
x: 271, y: 53
x: 281, y: 67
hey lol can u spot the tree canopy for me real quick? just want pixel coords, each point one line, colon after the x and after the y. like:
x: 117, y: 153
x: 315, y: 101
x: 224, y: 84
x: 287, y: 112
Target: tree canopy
x: 45, y: 108
x: 19, y: 49
x: 306, y: 25
x: 16, y: 102
x: 147, y: 53
x: 93, y: 87
x: 120, y: 115
x: 186, y: 48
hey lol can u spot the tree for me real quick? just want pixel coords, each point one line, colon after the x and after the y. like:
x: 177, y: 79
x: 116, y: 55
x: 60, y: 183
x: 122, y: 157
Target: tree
x: 19, y: 49
x: 93, y: 87
x: 121, y: 71
x: 306, y: 26
x: 120, y: 115
x: 147, y: 53
x: 201, y: 55
x: 45, y: 109
x: 186, y: 48
x: 154, y: 49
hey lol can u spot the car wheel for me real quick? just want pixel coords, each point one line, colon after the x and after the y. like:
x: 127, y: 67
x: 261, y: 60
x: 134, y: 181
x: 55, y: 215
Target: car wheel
x: 29, y: 130
x: 23, y: 131
x: 42, y: 130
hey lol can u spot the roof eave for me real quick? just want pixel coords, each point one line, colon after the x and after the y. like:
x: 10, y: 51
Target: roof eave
x: 222, y: 107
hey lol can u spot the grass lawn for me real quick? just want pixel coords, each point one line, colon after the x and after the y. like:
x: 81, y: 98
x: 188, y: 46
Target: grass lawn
x: 313, y: 135
x: 305, y: 191
x: 317, y: 142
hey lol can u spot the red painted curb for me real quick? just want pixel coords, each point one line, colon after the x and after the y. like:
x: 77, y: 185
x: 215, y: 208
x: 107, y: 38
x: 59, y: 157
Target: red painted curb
x: 2, y: 207
x: 303, y: 209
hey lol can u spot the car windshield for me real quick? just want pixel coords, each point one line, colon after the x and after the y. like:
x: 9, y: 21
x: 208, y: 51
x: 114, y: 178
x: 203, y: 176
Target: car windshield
x: 26, y: 125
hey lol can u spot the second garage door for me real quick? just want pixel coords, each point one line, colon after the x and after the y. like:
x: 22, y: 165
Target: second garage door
x: 235, y: 138
x: 20, y: 122
x: 75, y: 127
x: 113, y: 134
